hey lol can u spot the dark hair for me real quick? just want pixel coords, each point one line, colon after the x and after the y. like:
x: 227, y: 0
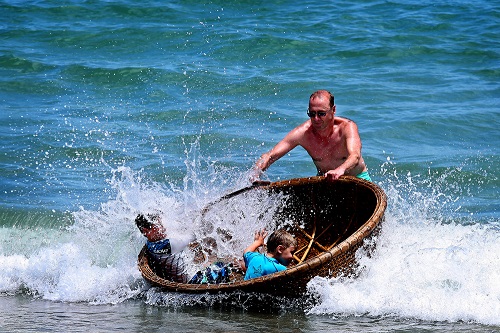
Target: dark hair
x: 143, y: 222
x: 280, y: 237
x: 321, y: 92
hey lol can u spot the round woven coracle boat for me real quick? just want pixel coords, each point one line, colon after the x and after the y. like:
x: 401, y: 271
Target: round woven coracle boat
x: 331, y: 220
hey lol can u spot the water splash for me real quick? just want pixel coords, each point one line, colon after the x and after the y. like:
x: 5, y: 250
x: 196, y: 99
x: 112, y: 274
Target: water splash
x: 93, y: 257
x: 426, y: 265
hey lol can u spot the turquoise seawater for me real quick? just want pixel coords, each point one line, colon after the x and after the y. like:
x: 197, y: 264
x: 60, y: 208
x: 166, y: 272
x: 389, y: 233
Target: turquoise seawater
x: 108, y: 108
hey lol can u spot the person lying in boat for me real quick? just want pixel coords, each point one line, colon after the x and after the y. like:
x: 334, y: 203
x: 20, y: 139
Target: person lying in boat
x: 163, y: 261
x: 332, y: 142
x: 280, y: 247
x: 166, y: 257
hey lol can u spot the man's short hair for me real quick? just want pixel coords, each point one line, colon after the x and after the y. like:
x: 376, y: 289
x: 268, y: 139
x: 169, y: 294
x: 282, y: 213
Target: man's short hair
x: 280, y: 237
x: 321, y: 92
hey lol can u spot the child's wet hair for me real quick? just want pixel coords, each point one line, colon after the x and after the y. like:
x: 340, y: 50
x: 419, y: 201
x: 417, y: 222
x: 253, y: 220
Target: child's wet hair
x: 280, y: 237
x: 146, y: 222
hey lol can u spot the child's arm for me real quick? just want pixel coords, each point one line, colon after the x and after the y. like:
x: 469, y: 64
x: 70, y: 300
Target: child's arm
x: 258, y: 241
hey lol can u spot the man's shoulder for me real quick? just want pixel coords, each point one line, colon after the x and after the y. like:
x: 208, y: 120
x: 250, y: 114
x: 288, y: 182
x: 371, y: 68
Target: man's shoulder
x: 344, y: 120
x: 302, y: 128
x: 346, y: 124
x: 297, y: 134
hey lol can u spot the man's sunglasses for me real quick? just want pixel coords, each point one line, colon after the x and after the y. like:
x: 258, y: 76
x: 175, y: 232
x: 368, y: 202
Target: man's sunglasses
x: 312, y: 114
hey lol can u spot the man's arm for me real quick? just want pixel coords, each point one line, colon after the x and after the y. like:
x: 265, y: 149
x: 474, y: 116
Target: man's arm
x: 290, y: 141
x: 353, y: 143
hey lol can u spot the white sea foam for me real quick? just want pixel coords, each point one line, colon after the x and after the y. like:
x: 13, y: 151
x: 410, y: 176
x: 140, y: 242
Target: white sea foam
x: 422, y: 268
x: 95, y: 259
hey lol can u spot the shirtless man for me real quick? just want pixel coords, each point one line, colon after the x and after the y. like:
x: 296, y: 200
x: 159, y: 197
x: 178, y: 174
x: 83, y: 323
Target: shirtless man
x: 332, y: 142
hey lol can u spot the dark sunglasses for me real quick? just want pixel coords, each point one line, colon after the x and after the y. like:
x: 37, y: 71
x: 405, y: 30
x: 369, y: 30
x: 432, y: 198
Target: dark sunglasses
x: 312, y: 114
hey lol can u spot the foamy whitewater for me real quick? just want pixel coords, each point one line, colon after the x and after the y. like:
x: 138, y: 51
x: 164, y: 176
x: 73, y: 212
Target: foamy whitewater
x: 423, y: 267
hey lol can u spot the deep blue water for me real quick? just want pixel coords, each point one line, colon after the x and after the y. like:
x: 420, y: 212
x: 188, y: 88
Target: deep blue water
x: 110, y: 107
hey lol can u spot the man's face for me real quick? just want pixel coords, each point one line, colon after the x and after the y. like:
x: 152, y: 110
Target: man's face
x: 320, y: 112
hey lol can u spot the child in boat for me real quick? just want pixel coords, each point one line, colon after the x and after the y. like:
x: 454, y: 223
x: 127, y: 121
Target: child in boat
x: 163, y: 262
x: 166, y: 258
x: 280, y: 248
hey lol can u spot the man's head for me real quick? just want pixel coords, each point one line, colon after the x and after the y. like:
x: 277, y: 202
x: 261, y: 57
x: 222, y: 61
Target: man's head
x: 323, y: 94
x: 151, y: 227
x: 281, y: 244
x: 321, y: 107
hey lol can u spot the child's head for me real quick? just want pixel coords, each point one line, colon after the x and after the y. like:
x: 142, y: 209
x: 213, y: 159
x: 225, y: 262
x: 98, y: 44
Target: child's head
x: 281, y: 245
x: 150, y: 226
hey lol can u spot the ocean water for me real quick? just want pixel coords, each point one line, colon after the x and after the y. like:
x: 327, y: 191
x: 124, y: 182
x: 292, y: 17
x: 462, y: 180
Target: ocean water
x: 109, y: 108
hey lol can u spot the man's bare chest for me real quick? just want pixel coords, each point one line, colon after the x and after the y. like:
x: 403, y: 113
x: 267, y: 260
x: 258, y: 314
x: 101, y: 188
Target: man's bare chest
x: 331, y: 149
